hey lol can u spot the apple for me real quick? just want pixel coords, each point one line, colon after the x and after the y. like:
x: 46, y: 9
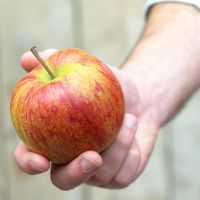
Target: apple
x: 68, y: 104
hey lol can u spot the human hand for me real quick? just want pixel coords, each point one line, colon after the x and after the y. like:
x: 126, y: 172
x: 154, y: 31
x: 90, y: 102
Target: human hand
x: 116, y: 167
x: 154, y: 84
x: 137, y: 104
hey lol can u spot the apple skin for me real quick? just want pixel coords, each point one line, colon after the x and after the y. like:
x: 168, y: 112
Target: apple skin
x: 81, y: 109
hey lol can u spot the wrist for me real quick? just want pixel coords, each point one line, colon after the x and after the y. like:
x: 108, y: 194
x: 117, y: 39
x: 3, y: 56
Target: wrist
x: 165, y: 63
x: 171, y: 33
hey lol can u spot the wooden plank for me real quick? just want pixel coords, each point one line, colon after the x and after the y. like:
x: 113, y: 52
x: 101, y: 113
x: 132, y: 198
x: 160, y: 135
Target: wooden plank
x: 185, y: 129
x: 111, y: 28
x: 4, y: 181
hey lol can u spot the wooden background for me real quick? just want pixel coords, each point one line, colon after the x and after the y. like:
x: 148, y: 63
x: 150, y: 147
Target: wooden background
x: 108, y: 29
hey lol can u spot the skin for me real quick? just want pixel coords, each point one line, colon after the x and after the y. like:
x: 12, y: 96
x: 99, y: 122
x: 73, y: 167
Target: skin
x: 159, y: 76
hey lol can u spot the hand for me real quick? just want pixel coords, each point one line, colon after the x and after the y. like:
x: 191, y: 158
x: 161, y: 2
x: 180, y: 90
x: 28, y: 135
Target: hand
x: 116, y: 167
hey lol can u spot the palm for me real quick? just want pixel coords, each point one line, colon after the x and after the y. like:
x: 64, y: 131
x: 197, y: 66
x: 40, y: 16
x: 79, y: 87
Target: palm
x: 130, y: 91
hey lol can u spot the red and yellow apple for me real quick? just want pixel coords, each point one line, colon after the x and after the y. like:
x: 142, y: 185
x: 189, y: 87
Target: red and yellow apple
x: 81, y: 108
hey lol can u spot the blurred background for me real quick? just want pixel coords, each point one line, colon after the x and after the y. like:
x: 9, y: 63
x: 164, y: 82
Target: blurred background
x: 107, y: 29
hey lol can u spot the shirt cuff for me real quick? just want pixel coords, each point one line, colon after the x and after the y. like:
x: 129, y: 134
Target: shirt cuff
x: 150, y: 3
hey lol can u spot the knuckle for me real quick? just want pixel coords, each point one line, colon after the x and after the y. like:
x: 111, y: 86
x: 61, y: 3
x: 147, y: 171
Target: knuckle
x: 124, y: 139
x: 23, y: 164
x: 135, y: 152
x: 66, y: 181
x: 58, y: 183
x: 59, y: 180
x: 121, y: 182
x: 123, y: 143
x: 100, y: 178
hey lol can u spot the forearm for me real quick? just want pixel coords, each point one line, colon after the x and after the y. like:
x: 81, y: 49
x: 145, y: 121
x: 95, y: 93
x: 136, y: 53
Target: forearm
x: 166, y: 61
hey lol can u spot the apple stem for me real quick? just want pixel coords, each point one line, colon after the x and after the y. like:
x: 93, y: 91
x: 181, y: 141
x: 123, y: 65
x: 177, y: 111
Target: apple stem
x: 36, y: 54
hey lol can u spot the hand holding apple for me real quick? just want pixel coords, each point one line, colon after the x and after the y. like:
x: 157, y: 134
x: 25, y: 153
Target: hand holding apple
x: 73, y: 105
x: 115, y: 167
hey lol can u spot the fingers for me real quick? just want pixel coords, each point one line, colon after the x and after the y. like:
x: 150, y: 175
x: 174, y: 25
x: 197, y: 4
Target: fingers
x: 28, y: 61
x: 128, y: 171
x: 116, y: 154
x: 138, y: 156
x: 76, y: 172
x: 30, y: 162
x: 146, y: 137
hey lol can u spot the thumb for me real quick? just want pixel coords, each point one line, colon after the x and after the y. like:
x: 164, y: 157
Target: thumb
x: 28, y: 60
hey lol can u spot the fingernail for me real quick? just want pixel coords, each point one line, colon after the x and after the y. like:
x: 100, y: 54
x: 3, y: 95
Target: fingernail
x: 88, y: 166
x: 34, y: 166
x: 129, y: 121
